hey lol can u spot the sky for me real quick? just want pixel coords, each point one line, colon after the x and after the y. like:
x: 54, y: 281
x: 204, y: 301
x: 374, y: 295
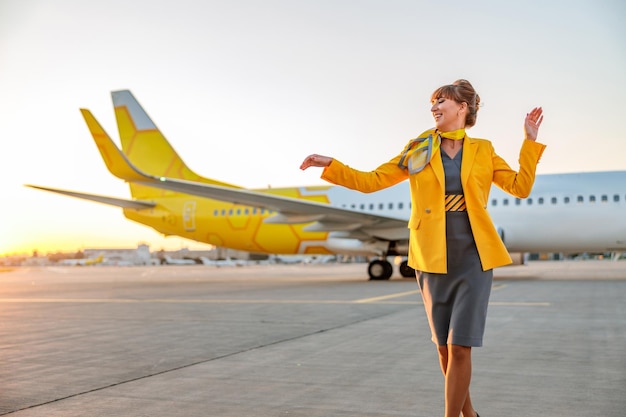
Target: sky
x: 245, y: 89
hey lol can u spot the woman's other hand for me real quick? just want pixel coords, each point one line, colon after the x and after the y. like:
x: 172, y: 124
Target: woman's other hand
x: 532, y: 122
x: 315, y: 160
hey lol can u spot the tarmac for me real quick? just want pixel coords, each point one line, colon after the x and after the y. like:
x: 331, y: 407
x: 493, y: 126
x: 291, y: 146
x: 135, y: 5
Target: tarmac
x: 301, y: 340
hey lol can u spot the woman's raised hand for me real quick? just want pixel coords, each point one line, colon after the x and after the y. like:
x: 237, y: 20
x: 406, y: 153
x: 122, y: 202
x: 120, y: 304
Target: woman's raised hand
x: 532, y: 122
x: 315, y: 160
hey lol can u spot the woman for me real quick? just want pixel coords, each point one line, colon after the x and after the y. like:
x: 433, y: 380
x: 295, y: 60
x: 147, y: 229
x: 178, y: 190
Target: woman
x: 454, y: 245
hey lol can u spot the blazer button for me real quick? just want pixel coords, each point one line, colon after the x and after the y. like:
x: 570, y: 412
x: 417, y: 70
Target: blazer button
x: 427, y: 211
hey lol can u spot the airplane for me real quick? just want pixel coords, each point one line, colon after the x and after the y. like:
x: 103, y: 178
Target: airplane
x: 565, y: 213
x: 168, y: 260
x: 82, y: 262
x: 222, y: 262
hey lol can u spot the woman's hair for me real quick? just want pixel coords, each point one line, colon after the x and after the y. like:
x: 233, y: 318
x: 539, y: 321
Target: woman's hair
x: 461, y: 91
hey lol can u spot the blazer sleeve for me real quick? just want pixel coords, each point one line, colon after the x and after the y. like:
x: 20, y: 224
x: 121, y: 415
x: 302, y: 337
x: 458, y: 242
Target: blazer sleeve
x: 518, y: 184
x: 384, y: 176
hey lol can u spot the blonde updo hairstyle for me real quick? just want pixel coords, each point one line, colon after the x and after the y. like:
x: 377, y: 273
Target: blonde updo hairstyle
x: 461, y: 91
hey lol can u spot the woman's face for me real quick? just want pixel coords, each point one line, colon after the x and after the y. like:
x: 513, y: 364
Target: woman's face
x: 449, y: 114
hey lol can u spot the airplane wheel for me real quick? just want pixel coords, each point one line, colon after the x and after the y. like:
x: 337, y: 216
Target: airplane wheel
x: 379, y: 270
x: 406, y: 271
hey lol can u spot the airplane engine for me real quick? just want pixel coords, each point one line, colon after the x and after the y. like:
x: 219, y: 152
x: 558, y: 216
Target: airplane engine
x: 356, y: 247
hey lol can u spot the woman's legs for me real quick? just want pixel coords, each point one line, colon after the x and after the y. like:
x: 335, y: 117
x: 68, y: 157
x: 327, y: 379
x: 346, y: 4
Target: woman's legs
x: 456, y: 365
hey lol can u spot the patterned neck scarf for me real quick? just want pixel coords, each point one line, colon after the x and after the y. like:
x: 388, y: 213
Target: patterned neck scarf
x: 418, y: 152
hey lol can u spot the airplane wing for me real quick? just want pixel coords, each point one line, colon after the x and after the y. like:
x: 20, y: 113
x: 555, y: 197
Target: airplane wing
x: 119, y: 202
x: 323, y: 217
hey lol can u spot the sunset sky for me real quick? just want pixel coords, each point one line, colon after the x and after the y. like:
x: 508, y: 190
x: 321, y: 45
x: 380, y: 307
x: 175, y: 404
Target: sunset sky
x: 245, y: 89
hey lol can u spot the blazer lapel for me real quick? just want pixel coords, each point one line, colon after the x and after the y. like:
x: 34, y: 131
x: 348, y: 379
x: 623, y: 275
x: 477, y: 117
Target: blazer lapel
x: 470, y: 147
x: 437, y: 166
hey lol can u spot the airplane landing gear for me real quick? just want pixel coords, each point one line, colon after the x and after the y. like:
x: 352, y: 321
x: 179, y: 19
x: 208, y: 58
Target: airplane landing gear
x: 380, y: 269
x: 406, y: 271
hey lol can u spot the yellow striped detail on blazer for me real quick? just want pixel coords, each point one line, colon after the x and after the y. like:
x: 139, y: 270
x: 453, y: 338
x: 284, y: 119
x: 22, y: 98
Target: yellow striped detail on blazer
x: 455, y: 202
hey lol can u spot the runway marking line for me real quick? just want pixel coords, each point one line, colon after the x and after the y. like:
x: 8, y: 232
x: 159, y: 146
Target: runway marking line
x: 386, y: 297
x: 373, y: 300
x: 188, y: 300
x: 382, y: 299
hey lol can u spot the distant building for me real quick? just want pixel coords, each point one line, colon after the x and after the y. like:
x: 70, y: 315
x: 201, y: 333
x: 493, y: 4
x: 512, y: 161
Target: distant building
x: 128, y: 257
x: 139, y: 256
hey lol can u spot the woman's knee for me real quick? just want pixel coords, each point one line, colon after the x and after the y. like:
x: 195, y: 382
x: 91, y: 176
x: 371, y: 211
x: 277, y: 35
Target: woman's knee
x: 459, y: 352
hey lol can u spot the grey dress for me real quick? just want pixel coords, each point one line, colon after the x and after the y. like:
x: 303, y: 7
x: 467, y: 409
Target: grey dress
x: 456, y: 302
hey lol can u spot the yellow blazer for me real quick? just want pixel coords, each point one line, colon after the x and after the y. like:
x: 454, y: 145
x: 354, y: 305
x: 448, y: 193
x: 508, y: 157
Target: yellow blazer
x: 480, y: 167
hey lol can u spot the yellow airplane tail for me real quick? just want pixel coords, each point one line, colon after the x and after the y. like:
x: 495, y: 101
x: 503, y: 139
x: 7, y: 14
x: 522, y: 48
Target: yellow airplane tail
x: 147, y: 148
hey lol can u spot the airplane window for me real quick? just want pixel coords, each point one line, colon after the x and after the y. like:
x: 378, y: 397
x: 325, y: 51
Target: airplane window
x: 223, y: 212
x: 580, y: 199
x: 371, y: 206
x: 254, y: 210
x: 553, y: 200
x: 262, y: 211
x: 566, y: 200
x: 540, y: 200
x: 518, y: 201
x: 530, y: 201
x: 246, y: 212
x: 592, y: 198
x: 400, y: 206
x: 494, y: 202
x: 505, y: 202
x: 352, y: 205
x: 381, y: 206
x: 616, y: 198
x: 390, y: 206
x: 230, y: 212
x: 362, y: 206
x: 604, y: 198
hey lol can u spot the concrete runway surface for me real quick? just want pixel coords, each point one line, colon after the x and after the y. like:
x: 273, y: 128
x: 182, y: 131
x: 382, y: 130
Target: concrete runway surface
x: 301, y: 340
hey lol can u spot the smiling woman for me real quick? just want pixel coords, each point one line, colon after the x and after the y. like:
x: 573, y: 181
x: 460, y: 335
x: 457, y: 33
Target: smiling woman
x: 450, y: 176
